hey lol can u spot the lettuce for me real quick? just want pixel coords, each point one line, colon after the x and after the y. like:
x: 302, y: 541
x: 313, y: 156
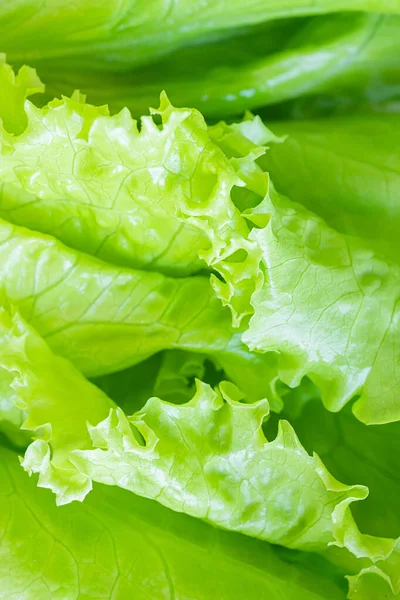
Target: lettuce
x: 119, y: 544
x: 96, y: 34
x: 200, y: 316
x: 202, y: 457
x: 115, y: 215
x: 175, y: 175
x: 346, y: 57
x: 14, y: 89
x: 333, y: 158
x: 322, y: 288
x: 351, y: 450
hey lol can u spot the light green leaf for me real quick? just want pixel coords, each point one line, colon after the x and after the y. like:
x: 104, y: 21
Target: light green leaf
x: 105, y: 318
x: 158, y: 199
x: 351, y: 451
x: 139, y: 199
x: 14, y: 89
x: 208, y: 458
x: 41, y: 386
x: 377, y: 581
x: 117, y: 545
x: 329, y: 308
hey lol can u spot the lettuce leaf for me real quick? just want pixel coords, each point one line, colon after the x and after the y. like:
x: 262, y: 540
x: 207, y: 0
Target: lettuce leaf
x: 174, y: 176
x: 96, y: 34
x: 160, y: 198
x: 327, y: 304
x: 266, y: 64
x: 14, y: 89
x: 158, y: 260
x: 105, y: 318
x: 202, y: 458
x: 324, y: 164
x: 194, y: 458
x: 119, y: 545
x: 40, y: 385
x: 329, y: 307
x: 351, y: 451
x: 368, y: 84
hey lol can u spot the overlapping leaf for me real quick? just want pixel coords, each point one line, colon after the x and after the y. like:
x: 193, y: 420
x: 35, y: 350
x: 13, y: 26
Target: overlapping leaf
x: 329, y: 307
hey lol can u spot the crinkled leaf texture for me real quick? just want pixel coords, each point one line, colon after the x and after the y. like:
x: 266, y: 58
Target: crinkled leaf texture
x: 328, y: 301
x: 208, y: 458
x: 102, y: 186
x: 121, y: 285
x: 202, y: 457
x: 105, y: 318
x: 41, y: 385
x: 157, y: 199
x: 330, y: 308
x: 117, y: 545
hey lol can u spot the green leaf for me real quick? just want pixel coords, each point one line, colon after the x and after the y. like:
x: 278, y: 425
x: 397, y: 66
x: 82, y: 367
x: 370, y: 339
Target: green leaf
x: 204, y: 458
x: 14, y: 89
x: 325, y: 165
x: 329, y: 308
x: 366, y: 84
x: 158, y: 199
x: 105, y: 318
x: 377, y: 581
x: 130, y: 34
x: 351, y: 451
x: 208, y: 458
x: 138, y: 199
x: 121, y: 546
x: 41, y: 385
x: 254, y: 67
